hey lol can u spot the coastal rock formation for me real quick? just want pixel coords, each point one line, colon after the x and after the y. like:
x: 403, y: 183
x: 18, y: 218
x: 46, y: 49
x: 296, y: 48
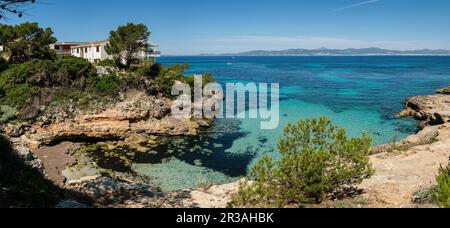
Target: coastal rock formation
x: 443, y: 91
x: 139, y: 113
x: 430, y: 110
x: 107, y: 192
x: 401, y: 174
x: 402, y: 169
x: 118, y: 193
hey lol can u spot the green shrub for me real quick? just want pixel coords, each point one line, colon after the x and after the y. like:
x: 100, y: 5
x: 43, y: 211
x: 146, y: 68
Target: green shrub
x: 7, y: 113
x: 20, y: 82
x: 74, y: 73
x: 442, y: 194
x: 151, y: 70
x: 317, y: 160
x: 3, y: 64
x: 18, y: 96
x: 168, y: 75
x: 107, y: 63
x: 108, y: 84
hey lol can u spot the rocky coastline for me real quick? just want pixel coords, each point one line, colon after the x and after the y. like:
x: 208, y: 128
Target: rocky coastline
x: 137, y: 120
x: 51, y: 144
x: 405, y: 170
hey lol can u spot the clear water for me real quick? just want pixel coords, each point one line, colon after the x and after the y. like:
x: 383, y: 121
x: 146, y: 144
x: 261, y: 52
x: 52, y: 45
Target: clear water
x: 360, y: 94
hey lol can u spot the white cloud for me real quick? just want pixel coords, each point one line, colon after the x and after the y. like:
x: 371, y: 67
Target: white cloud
x: 356, y: 5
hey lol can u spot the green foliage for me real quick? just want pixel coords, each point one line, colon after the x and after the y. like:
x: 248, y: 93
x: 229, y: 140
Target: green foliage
x: 27, y: 41
x: 150, y: 71
x: 19, y: 95
x: 127, y: 42
x: 7, y: 113
x: 20, y: 82
x: 167, y: 76
x: 442, y: 194
x: 3, y: 64
x: 317, y: 160
x: 107, y: 63
x: 108, y: 84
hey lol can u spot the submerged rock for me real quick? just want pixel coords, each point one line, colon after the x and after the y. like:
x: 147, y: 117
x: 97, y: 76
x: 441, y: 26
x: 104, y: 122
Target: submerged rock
x: 71, y: 204
x: 443, y: 91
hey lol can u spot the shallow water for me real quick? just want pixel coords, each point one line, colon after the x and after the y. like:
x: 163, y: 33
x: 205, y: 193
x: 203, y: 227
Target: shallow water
x: 360, y: 94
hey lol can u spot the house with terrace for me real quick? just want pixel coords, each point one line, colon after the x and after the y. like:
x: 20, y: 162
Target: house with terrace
x: 64, y: 49
x: 95, y: 52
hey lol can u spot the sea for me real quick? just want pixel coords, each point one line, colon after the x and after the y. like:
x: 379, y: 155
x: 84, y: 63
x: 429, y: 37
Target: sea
x: 359, y: 94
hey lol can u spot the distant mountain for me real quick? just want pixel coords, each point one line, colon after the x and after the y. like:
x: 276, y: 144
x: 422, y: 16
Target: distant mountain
x: 341, y: 52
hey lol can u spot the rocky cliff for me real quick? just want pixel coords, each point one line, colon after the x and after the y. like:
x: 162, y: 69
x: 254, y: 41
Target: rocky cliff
x: 137, y: 113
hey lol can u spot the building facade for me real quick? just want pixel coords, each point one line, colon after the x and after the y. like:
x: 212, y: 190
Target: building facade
x: 64, y: 49
x: 95, y: 52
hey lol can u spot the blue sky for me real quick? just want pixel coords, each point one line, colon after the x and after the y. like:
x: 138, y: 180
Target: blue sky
x: 219, y: 26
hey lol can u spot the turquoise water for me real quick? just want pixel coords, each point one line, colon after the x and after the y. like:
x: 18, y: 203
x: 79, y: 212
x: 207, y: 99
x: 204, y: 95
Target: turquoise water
x: 360, y: 94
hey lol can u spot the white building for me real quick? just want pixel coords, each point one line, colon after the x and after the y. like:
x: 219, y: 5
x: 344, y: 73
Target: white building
x: 95, y: 52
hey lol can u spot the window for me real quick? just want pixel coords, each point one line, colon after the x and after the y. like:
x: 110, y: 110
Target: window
x: 98, y: 48
x: 85, y: 50
x: 78, y: 50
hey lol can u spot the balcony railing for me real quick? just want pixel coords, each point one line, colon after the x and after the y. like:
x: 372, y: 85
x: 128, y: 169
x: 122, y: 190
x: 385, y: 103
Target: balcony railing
x: 154, y: 54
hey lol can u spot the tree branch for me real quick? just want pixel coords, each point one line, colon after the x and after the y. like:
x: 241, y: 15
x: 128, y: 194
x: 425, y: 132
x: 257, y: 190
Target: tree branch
x: 15, y: 7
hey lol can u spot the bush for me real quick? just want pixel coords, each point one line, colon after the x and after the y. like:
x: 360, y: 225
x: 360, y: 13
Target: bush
x: 74, y: 73
x: 20, y: 82
x: 107, y: 63
x: 317, y: 160
x: 7, y: 113
x: 3, y: 64
x: 108, y: 84
x: 442, y: 194
x: 151, y: 70
x: 167, y: 77
x: 18, y: 96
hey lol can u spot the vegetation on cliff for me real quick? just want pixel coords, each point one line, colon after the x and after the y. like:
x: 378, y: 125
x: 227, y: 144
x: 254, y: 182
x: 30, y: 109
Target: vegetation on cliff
x: 27, y: 41
x: 317, y: 160
x: 127, y: 43
x: 442, y: 193
x: 33, y: 79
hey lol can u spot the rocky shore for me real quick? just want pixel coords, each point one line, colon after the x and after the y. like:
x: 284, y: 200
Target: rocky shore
x: 137, y: 120
x: 405, y: 170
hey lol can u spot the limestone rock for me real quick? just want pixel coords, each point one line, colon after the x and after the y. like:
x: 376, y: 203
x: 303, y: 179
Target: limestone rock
x: 139, y: 113
x: 431, y: 110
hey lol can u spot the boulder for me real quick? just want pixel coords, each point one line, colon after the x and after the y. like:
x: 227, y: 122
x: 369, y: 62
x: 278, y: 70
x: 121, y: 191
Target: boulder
x: 430, y: 110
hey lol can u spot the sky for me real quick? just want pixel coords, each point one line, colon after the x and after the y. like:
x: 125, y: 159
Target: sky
x: 189, y: 27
